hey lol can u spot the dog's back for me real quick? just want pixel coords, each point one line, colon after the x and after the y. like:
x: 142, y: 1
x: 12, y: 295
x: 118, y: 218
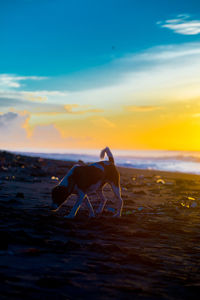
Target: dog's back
x: 101, y: 172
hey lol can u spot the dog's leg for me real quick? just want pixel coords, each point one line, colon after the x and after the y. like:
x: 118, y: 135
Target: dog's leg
x: 102, y: 202
x: 89, y: 205
x: 117, y: 192
x: 77, y: 205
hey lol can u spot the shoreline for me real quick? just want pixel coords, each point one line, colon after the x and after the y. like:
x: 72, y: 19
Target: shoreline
x: 168, y: 163
x: 120, y: 166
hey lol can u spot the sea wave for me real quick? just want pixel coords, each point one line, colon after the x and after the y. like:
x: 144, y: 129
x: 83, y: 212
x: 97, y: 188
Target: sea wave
x: 174, y: 161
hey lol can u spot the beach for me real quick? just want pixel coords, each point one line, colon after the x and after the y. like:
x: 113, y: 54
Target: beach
x: 151, y: 252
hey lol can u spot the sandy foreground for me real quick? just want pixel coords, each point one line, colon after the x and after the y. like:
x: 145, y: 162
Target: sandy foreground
x: 151, y: 252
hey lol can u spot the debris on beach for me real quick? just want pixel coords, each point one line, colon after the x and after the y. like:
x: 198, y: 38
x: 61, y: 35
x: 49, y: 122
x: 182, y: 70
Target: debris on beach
x: 189, y: 202
x: 161, y: 181
x: 54, y: 178
x: 185, y: 205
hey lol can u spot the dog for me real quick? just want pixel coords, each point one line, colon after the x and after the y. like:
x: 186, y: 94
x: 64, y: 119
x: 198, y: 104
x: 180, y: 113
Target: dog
x: 83, y: 179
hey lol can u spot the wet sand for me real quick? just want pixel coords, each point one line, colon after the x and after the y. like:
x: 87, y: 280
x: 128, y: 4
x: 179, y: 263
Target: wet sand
x: 151, y: 252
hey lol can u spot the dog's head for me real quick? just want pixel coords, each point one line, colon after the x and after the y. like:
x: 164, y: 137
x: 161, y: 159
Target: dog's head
x: 63, y: 190
x: 60, y: 194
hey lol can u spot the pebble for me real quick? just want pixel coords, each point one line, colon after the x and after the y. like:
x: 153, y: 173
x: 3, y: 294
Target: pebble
x: 160, y: 181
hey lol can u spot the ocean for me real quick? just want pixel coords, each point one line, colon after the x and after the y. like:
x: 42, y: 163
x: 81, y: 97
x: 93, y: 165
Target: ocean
x: 174, y: 161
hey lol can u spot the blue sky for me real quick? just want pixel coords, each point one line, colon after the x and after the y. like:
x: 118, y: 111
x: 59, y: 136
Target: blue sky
x: 76, y: 68
x: 51, y: 38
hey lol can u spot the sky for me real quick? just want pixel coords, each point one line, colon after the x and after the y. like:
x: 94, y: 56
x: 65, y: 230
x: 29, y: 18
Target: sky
x: 86, y: 74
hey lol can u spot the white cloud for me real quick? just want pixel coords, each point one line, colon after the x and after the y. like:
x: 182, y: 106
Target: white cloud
x: 12, y: 118
x: 21, y: 95
x: 153, y: 77
x: 12, y: 129
x: 14, y: 133
x: 28, y: 99
x: 43, y: 95
x: 5, y: 119
x: 167, y: 53
x: 158, y: 75
x: 182, y: 25
x: 14, y: 81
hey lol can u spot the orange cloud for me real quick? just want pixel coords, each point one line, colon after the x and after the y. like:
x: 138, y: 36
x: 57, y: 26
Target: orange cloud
x: 32, y: 97
x: 48, y: 113
x: 143, y: 108
x: 70, y: 109
x: 177, y: 128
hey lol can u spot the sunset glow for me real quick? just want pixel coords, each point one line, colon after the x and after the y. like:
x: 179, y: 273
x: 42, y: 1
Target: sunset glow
x: 130, y: 94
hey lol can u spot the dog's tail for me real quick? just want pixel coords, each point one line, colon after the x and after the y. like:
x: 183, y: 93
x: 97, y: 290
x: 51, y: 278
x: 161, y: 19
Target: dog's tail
x: 109, y: 154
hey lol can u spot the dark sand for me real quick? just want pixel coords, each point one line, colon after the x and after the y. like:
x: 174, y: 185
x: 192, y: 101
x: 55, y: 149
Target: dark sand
x: 151, y: 252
